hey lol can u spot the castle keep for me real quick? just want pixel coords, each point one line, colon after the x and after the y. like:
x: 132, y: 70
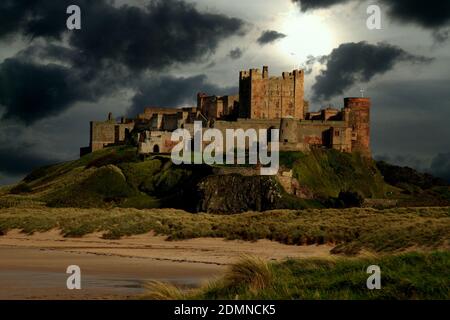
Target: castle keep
x: 264, y: 97
x: 263, y: 102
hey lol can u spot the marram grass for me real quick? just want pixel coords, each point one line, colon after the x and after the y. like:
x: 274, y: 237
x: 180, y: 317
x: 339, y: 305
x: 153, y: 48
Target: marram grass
x: 418, y: 276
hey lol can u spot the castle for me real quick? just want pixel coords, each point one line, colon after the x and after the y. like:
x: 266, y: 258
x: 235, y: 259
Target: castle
x: 263, y: 102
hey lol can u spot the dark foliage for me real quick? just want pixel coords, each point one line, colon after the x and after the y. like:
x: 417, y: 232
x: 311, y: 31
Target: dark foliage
x: 398, y: 176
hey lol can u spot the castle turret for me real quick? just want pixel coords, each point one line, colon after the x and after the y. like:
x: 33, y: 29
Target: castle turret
x: 359, y: 120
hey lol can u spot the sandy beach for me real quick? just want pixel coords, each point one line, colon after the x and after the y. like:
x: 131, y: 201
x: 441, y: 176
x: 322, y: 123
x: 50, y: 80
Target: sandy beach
x: 34, y: 266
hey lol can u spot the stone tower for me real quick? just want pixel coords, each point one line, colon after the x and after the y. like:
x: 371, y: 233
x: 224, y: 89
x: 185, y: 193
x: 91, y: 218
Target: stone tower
x: 264, y: 97
x: 359, y: 121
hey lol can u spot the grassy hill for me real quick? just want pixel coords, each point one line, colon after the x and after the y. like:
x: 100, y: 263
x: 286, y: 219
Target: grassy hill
x: 114, y: 176
x: 117, y: 177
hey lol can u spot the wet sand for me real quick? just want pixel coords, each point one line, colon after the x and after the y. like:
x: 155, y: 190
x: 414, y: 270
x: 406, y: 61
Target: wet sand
x: 34, y: 267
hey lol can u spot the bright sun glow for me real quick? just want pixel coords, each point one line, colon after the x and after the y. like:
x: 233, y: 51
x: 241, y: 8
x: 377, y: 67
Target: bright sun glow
x: 307, y: 34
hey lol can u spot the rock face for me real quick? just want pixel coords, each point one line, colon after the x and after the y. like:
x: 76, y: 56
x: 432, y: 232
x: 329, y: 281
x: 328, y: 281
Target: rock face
x: 234, y: 193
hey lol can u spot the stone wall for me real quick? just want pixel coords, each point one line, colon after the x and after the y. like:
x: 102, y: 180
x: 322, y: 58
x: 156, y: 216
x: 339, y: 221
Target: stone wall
x: 247, y: 124
x: 155, y: 142
x: 150, y: 111
x: 216, y: 107
x: 302, y: 135
x: 108, y: 132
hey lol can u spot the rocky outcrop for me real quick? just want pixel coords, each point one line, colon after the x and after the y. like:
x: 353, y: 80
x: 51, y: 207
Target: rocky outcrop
x: 234, y: 193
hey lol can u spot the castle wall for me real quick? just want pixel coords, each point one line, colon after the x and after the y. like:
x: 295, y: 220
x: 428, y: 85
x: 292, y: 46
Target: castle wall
x: 156, y: 142
x: 247, y: 124
x: 230, y: 104
x: 170, y: 121
x: 121, y: 131
x: 102, y: 134
x: 341, y: 139
x: 150, y: 111
x: 109, y: 132
x: 216, y: 107
x: 302, y: 135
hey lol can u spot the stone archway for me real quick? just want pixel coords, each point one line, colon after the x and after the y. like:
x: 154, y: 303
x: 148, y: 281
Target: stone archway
x: 155, y: 148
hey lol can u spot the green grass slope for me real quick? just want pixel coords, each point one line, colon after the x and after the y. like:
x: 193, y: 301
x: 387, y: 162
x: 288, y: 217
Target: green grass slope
x: 326, y: 173
x: 114, y: 176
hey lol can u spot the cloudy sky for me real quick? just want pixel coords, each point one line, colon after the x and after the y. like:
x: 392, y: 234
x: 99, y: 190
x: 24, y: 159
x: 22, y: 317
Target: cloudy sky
x: 135, y: 53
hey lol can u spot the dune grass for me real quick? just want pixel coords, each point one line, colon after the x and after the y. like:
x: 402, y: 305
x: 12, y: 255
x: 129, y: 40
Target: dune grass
x: 349, y: 230
x: 157, y: 290
x: 403, y: 277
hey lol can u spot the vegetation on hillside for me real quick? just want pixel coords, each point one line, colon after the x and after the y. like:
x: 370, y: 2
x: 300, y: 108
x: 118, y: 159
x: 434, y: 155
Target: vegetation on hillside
x: 405, y: 276
x: 415, y: 188
x: 112, y: 177
x: 348, y: 230
x: 326, y: 173
x: 118, y: 177
x: 404, y: 176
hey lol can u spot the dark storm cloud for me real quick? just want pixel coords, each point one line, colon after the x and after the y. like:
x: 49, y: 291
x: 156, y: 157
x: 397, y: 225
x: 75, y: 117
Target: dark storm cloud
x: 270, y: 36
x: 430, y: 14
x: 235, y: 54
x: 19, y: 159
x: 161, y: 34
x: 174, y: 92
x: 310, y: 62
x: 352, y: 62
x: 32, y: 17
x: 442, y: 35
x: 164, y: 33
x: 29, y: 91
x: 409, y: 121
x: 440, y: 166
x: 50, y: 51
x: 112, y: 50
x: 306, y: 5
